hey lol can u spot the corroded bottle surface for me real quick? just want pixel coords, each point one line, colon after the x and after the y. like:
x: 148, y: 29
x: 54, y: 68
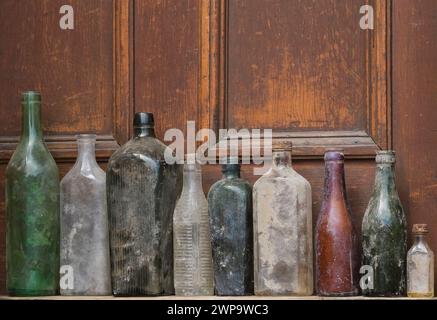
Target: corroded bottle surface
x: 384, y: 232
x: 336, y: 246
x: 283, y: 230
x: 32, y: 209
x: 85, y: 266
x: 420, y: 265
x: 141, y: 193
x: 191, y: 237
x: 230, y: 213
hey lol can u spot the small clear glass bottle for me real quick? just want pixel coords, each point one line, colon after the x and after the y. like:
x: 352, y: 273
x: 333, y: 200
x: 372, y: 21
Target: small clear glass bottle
x: 191, y: 237
x: 85, y: 265
x: 420, y: 265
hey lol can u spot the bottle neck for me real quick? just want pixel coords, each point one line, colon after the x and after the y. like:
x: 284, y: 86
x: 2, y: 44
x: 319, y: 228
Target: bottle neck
x: 335, y: 186
x: 231, y: 171
x: 281, y: 159
x: 419, y: 239
x: 86, y: 154
x: 145, y: 131
x: 385, y: 178
x: 31, y: 121
x: 192, y: 180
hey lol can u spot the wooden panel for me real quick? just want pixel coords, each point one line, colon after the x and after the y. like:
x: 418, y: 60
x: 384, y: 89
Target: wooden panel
x: 167, y: 61
x: 296, y: 65
x: 81, y: 73
x: 300, y: 66
x: 415, y: 110
x: 71, y: 68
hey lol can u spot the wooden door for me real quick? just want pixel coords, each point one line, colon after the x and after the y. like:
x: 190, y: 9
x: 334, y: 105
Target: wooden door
x: 302, y: 68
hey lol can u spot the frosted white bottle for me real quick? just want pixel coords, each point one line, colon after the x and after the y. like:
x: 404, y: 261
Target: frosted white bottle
x: 85, y: 265
x: 193, y: 273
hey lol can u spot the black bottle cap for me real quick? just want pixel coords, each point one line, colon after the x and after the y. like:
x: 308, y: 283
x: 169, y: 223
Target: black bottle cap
x: 143, y: 119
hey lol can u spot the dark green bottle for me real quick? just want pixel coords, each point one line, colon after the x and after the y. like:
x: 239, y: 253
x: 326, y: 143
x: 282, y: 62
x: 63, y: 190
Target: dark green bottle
x: 32, y: 210
x: 384, y: 232
x: 230, y: 214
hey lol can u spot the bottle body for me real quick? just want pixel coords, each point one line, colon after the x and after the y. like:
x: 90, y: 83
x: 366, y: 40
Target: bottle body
x: 141, y: 195
x: 336, y: 243
x: 282, y: 231
x: 384, y: 233
x: 32, y: 209
x: 85, y: 266
x: 420, y: 266
x: 191, y: 237
x: 230, y: 211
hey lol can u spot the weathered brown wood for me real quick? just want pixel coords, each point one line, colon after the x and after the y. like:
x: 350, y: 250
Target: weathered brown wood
x: 296, y: 66
x: 123, y: 67
x: 379, y: 75
x: 415, y: 110
x: 167, y: 61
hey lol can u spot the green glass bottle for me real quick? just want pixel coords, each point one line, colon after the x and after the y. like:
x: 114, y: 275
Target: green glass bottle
x: 384, y: 233
x: 32, y: 210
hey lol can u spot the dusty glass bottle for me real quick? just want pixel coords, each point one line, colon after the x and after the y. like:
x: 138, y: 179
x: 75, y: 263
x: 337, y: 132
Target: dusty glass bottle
x: 283, y: 244
x: 230, y: 214
x: 85, y: 266
x: 32, y: 209
x: 141, y: 194
x: 384, y: 232
x: 420, y: 265
x: 337, y: 266
x: 191, y: 237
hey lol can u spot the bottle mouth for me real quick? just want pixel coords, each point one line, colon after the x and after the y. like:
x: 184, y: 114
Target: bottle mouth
x: 229, y: 160
x: 86, y: 137
x: 334, y: 156
x: 143, y: 120
x: 385, y: 157
x: 192, y: 167
x: 420, y: 229
x: 31, y: 97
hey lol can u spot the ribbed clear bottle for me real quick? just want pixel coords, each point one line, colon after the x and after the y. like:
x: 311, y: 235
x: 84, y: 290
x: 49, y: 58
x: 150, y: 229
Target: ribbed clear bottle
x: 191, y: 238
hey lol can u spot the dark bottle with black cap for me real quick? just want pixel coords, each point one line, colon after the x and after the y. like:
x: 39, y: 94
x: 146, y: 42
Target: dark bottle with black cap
x: 141, y: 191
x: 230, y: 214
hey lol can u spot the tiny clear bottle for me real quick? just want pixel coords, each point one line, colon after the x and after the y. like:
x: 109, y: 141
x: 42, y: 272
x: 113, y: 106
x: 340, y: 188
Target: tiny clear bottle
x: 193, y: 274
x: 420, y: 265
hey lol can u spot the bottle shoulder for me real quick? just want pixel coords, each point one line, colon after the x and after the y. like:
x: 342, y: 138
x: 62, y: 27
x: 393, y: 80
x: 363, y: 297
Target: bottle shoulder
x: 237, y: 185
x: 94, y: 175
x: 145, y: 149
x: 32, y: 158
x: 383, y: 212
x: 420, y: 249
x: 285, y: 175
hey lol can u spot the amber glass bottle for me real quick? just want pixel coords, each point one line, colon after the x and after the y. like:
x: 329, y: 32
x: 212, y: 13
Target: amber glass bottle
x: 336, y: 249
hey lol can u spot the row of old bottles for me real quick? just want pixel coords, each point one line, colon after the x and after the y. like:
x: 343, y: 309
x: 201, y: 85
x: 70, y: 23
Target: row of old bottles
x: 145, y: 236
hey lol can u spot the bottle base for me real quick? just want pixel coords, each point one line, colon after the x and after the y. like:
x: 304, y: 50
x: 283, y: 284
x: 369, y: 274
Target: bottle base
x: 420, y: 294
x: 30, y: 293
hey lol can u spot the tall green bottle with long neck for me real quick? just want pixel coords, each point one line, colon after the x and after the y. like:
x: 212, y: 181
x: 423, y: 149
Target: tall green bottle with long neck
x: 384, y: 232
x: 32, y: 210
